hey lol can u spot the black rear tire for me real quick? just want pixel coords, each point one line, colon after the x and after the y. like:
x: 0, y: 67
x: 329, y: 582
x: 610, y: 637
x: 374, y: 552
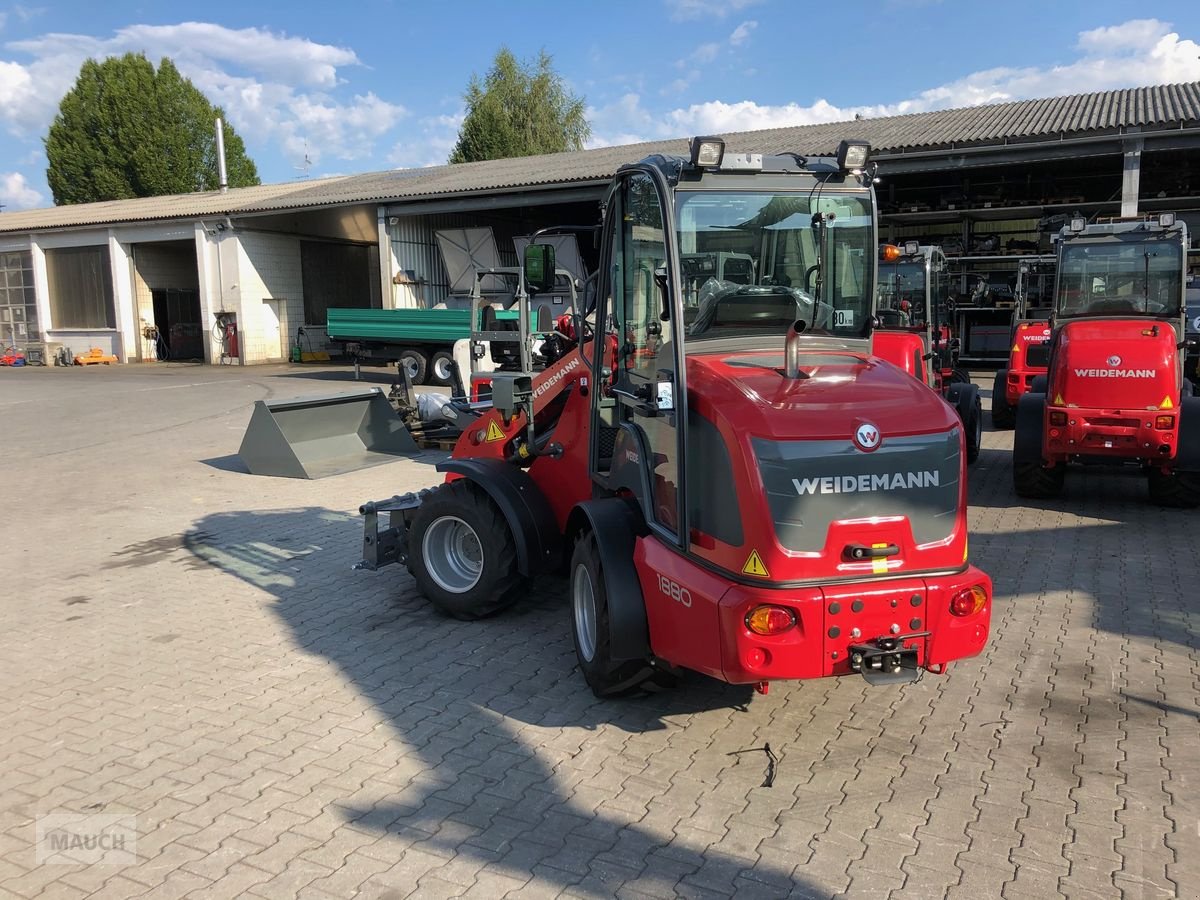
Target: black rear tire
x: 1180, y: 490
x: 1031, y: 478
x: 462, y: 553
x: 959, y: 375
x: 589, y: 627
x: 417, y: 364
x: 1004, y: 415
x: 439, y: 369
x: 974, y: 429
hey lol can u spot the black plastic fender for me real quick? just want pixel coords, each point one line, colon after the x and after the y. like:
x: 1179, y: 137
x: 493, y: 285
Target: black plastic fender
x: 524, y: 507
x: 616, y: 527
x: 1027, y: 439
x: 1187, y: 454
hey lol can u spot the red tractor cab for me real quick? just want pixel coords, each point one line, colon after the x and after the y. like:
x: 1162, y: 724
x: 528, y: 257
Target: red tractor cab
x: 731, y: 480
x: 1029, y: 340
x: 914, y: 331
x: 1114, y: 392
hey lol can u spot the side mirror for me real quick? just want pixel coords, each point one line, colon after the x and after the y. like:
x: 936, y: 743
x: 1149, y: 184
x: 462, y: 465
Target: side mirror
x: 539, y: 268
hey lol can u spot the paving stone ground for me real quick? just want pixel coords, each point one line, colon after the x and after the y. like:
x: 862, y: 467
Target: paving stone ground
x: 186, y: 644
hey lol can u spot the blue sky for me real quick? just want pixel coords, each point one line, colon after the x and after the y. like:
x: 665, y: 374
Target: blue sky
x: 378, y: 84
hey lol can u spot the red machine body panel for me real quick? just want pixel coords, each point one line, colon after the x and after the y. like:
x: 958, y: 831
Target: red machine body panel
x: 1115, y: 381
x: 1027, y: 359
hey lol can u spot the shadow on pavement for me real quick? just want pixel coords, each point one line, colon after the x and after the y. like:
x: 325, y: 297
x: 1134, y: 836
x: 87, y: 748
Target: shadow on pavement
x: 503, y: 733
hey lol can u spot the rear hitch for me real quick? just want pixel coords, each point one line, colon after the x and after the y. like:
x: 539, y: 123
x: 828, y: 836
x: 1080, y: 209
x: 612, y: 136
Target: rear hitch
x: 887, y: 659
x: 389, y: 545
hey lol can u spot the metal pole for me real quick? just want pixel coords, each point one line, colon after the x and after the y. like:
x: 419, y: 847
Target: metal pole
x: 222, y: 175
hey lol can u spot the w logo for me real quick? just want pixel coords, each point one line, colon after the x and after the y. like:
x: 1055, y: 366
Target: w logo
x: 867, y: 437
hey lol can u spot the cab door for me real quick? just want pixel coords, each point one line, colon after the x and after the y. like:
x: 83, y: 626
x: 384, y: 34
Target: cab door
x: 639, y: 321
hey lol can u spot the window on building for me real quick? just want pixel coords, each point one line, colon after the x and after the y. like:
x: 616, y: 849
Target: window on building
x: 18, y: 306
x: 81, y: 290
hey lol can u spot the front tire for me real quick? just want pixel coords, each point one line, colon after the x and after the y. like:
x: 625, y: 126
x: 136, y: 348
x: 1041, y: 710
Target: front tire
x: 439, y: 369
x: 462, y: 553
x: 1004, y: 415
x: 589, y: 627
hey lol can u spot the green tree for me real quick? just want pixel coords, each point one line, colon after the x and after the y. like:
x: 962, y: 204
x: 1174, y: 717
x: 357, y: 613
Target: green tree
x: 519, y: 109
x: 126, y: 130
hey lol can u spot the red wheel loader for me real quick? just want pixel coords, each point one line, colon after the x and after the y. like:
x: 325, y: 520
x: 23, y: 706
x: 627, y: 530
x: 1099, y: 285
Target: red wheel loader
x: 732, y: 481
x: 914, y: 331
x: 1114, y: 392
x: 1030, y: 341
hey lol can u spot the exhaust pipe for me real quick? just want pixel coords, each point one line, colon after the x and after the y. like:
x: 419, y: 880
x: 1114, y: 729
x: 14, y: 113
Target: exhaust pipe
x: 791, y: 349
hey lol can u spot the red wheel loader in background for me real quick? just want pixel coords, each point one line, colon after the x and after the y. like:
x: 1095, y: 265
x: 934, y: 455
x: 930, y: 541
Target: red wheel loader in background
x: 736, y: 485
x: 1030, y: 341
x: 914, y: 330
x: 1115, y: 391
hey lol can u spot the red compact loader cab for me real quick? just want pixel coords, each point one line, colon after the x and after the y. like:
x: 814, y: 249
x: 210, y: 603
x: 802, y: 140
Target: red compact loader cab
x: 914, y: 330
x: 1114, y: 392
x: 1029, y: 339
x: 735, y: 483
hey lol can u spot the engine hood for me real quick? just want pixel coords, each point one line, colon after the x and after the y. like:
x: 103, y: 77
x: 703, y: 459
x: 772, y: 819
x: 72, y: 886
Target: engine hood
x: 837, y: 392
x: 1114, y: 363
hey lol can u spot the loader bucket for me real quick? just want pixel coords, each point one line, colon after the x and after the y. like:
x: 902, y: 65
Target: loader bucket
x: 320, y: 436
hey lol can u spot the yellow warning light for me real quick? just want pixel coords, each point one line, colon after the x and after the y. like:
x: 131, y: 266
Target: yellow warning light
x: 754, y: 566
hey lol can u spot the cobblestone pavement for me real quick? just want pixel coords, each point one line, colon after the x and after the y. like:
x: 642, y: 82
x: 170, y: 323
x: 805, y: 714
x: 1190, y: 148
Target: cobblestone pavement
x: 187, y: 644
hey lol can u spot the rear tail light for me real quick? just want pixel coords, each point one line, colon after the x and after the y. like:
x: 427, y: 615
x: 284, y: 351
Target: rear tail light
x: 770, y: 619
x: 1058, y: 417
x: 1164, y: 421
x: 969, y: 601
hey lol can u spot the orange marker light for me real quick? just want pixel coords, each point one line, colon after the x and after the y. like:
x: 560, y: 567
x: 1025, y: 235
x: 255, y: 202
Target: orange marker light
x: 770, y: 619
x: 889, y: 252
x: 969, y: 601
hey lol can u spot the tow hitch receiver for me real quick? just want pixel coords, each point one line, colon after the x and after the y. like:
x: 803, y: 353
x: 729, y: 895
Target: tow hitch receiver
x: 887, y: 660
x: 387, y: 545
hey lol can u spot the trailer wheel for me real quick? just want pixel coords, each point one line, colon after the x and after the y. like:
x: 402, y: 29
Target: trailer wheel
x: 463, y: 555
x: 589, y: 625
x: 1004, y: 415
x: 439, y: 368
x: 1175, y: 489
x: 415, y: 363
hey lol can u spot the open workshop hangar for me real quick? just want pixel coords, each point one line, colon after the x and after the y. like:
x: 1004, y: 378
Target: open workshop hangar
x: 990, y: 183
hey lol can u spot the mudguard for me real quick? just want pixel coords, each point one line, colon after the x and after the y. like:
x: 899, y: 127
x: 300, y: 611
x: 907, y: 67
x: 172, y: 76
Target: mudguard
x: 617, y: 527
x: 524, y: 507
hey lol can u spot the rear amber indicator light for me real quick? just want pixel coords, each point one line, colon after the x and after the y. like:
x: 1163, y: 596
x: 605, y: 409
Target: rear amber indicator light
x: 1058, y: 417
x: 969, y: 601
x: 770, y: 619
x: 1164, y: 421
x: 889, y: 252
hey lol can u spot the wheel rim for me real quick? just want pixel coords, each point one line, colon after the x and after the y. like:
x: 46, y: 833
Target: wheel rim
x: 441, y: 368
x: 410, y: 366
x: 453, y: 554
x: 583, y: 600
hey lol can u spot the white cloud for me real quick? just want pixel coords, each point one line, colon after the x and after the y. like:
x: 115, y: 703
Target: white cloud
x: 431, y: 144
x: 706, y: 9
x: 15, y: 192
x: 742, y: 33
x: 274, y: 87
x: 1134, y: 53
x: 3, y: 19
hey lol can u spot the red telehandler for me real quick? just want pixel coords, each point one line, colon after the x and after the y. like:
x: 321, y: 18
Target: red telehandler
x: 1030, y: 340
x: 1114, y: 392
x: 735, y: 484
x: 914, y: 302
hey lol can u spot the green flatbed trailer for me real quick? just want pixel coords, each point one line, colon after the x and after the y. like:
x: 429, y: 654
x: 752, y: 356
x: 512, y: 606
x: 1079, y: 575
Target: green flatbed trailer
x: 421, y: 339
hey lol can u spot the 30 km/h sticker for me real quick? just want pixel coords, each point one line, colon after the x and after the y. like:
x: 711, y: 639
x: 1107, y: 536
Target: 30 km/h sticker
x: 754, y: 566
x: 494, y: 433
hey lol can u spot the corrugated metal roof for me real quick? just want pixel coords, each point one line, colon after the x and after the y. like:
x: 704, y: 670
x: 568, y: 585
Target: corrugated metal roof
x: 1163, y: 106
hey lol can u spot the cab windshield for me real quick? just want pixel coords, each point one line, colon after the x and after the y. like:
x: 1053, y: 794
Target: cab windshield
x: 901, y: 293
x: 754, y: 263
x: 1120, y: 277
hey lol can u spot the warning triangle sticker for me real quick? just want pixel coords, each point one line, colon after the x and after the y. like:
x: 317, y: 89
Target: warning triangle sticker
x: 754, y: 566
x: 493, y: 432
x: 1166, y: 404
x: 1016, y: 348
x: 1058, y: 400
